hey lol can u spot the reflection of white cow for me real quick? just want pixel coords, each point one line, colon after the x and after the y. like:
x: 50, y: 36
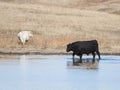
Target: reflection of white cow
x: 24, y: 36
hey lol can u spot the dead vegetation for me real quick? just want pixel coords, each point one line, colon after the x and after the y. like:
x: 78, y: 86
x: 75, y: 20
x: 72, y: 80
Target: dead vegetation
x: 54, y: 27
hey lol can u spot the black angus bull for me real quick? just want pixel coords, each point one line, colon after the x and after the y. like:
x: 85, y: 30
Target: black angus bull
x: 84, y: 47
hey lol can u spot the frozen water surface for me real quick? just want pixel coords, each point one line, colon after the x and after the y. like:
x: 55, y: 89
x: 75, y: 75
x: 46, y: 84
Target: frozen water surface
x: 50, y: 72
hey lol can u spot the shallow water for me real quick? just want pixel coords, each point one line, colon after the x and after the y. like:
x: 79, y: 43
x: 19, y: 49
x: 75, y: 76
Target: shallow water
x: 42, y: 72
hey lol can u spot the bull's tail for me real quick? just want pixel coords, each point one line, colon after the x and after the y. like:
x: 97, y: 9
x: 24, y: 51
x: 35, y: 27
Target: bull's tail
x: 98, y: 53
x: 97, y: 49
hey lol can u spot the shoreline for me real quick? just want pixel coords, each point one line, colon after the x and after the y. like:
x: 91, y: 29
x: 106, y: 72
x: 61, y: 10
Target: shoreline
x: 48, y: 53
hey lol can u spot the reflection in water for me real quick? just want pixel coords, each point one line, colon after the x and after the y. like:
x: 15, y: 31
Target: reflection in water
x: 84, y: 65
x: 23, y: 64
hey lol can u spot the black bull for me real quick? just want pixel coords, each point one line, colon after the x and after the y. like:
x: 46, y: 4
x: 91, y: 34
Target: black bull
x: 84, y: 47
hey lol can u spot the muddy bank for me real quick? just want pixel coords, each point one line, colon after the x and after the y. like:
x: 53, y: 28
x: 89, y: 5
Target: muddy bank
x: 30, y: 51
x: 25, y: 51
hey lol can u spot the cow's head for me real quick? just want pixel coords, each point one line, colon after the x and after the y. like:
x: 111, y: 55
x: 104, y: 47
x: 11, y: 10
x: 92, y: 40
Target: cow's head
x: 69, y: 47
x: 30, y: 34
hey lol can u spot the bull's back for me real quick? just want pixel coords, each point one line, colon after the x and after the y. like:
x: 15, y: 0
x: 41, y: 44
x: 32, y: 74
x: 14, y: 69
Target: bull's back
x: 85, y: 46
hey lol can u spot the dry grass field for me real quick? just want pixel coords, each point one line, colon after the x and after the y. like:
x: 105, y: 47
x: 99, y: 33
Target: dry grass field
x: 55, y: 23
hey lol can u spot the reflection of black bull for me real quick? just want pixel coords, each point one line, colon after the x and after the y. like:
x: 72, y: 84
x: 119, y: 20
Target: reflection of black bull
x: 84, y: 47
x: 84, y: 65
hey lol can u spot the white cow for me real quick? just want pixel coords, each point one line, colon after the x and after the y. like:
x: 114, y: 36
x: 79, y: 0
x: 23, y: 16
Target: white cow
x: 24, y: 36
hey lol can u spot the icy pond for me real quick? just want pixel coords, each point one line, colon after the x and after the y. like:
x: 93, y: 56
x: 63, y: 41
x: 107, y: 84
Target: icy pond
x: 50, y: 72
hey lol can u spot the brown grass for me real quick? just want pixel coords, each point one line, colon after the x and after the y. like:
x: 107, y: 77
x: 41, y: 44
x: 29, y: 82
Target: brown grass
x: 54, y: 27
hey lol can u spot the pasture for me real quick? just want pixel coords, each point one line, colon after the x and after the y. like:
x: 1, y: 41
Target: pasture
x: 54, y: 26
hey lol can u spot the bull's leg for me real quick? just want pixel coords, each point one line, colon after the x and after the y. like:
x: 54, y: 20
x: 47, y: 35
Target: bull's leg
x: 93, y: 53
x: 80, y: 58
x: 73, y: 58
x: 98, y: 53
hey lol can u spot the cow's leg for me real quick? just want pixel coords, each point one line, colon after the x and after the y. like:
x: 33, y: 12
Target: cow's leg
x: 73, y: 58
x: 93, y: 53
x: 26, y: 40
x: 98, y: 53
x: 80, y: 58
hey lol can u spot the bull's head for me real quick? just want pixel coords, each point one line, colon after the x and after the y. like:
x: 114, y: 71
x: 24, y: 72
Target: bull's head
x: 69, y: 47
